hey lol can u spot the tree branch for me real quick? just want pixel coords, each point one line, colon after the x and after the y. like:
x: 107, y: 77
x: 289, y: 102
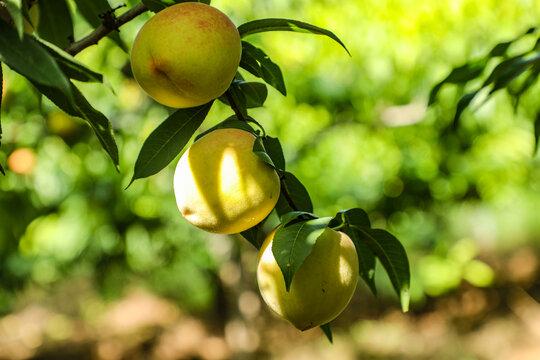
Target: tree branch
x: 102, y: 31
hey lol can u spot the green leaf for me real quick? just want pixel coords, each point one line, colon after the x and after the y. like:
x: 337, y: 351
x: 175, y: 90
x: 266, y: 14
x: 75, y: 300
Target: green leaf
x: 168, y: 140
x: 1, y: 92
x: 72, y: 67
x: 55, y: 24
x: 295, y: 216
x: 30, y: 59
x: 238, y: 98
x: 297, y: 194
x: 252, y: 235
x: 293, y: 243
x: 259, y: 64
x: 269, y: 150
x: 275, y: 151
x: 366, y: 259
x: 80, y: 107
x: 229, y: 123
x: 392, y: 256
x: 459, y: 75
x: 158, y: 5
x: 253, y: 94
x: 537, y: 132
x: 91, y: 11
x: 273, y: 24
x: 462, y: 105
x: 509, y: 70
x: 15, y: 9
x: 328, y: 332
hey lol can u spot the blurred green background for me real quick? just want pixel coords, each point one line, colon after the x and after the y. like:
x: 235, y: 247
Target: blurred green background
x: 89, y: 270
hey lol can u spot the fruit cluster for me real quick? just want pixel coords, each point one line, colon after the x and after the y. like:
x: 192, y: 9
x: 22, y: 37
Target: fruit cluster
x: 188, y: 55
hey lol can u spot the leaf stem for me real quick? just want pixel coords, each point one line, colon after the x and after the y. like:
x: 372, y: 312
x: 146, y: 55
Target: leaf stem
x: 105, y: 29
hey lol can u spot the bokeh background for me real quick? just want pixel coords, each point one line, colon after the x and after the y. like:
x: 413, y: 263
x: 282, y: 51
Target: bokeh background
x: 89, y: 270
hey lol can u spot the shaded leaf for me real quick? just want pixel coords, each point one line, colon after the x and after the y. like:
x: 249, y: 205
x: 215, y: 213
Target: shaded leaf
x: 91, y: 10
x: 269, y: 150
x: 459, y: 75
x: 295, y: 216
x: 273, y: 24
x: 259, y: 64
x: 292, y: 244
x: 462, y: 105
x: 327, y: 331
x: 168, y: 140
x: 253, y: 94
x: 55, y: 24
x: 81, y: 108
x: 293, y: 191
x: 366, y: 259
x: 15, y: 9
x: 537, y: 132
x: 70, y: 66
x: 158, y: 5
x: 252, y: 235
x: 393, y: 257
x: 507, y: 71
x: 30, y: 59
x: 1, y: 92
x: 229, y: 123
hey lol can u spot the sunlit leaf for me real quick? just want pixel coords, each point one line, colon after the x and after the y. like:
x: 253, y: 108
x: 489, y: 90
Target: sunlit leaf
x: 168, y: 140
x: 55, y: 23
x: 273, y: 24
x: 293, y: 243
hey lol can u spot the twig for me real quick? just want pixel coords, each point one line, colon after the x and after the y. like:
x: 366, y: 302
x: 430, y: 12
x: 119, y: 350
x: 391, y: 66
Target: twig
x: 103, y: 30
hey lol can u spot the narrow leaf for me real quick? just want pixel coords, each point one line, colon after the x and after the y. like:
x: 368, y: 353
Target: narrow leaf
x: 55, y: 23
x: 292, y: 245
x: 259, y: 64
x: 293, y: 192
x: 15, y: 9
x: 229, y: 123
x: 253, y: 94
x: 168, y: 140
x: 355, y: 216
x: 252, y: 235
x: 462, y: 105
x: 81, y: 108
x: 537, y: 132
x: 260, y: 151
x: 72, y: 67
x: 91, y: 11
x: 30, y: 59
x: 459, y: 75
x: 274, y: 150
x: 328, y: 332
x: 1, y: 92
x: 296, y: 216
x: 393, y: 257
x: 273, y: 24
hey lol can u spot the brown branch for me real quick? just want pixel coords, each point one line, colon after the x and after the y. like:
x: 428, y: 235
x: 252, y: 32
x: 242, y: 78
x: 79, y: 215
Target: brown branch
x: 102, y: 30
